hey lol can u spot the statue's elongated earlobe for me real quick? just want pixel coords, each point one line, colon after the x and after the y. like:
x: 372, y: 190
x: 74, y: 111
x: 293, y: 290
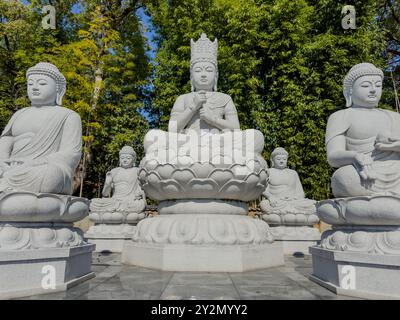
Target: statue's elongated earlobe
x: 60, y: 96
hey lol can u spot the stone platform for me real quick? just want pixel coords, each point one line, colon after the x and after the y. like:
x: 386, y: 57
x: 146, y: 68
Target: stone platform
x: 23, y: 272
x: 357, y: 274
x: 109, y: 237
x: 115, y: 281
x: 205, y: 258
x: 296, y: 239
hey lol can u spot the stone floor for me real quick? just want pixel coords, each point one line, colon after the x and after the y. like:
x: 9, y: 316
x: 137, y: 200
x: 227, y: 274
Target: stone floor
x: 116, y: 281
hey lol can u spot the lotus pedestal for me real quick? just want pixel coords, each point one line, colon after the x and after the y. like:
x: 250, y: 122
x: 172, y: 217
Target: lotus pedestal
x: 207, y: 241
x: 112, y: 229
x: 296, y: 239
x: 40, y: 250
x: 360, y: 256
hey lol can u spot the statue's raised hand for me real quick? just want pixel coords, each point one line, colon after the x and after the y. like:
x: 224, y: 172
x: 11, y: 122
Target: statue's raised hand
x: 207, y: 115
x: 199, y: 99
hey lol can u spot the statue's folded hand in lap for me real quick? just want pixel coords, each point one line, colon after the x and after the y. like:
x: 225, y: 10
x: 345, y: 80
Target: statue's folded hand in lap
x: 41, y: 145
x: 363, y: 141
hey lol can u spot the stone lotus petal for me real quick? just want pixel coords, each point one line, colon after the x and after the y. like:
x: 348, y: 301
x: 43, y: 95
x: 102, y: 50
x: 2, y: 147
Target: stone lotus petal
x: 183, y: 176
x: 202, y: 170
x: 165, y: 170
x: 170, y: 187
x: 203, y: 229
x: 377, y: 240
x: 153, y: 178
x: 221, y: 176
x: 18, y: 237
x: 202, y: 188
x: 202, y: 180
x: 375, y: 210
x: 234, y: 188
x: 24, y: 206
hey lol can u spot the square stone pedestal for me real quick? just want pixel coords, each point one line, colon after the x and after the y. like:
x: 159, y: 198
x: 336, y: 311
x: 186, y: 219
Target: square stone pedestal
x: 293, y: 247
x: 41, y: 271
x: 296, y: 239
x: 110, y: 244
x: 357, y: 274
x: 110, y: 237
x: 204, y: 258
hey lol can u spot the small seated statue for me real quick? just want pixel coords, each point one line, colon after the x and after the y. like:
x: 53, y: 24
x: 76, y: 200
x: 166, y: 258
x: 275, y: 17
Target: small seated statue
x: 284, y: 193
x: 116, y: 217
x: 203, y: 116
x: 40, y: 146
x: 128, y: 200
x: 363, y: 141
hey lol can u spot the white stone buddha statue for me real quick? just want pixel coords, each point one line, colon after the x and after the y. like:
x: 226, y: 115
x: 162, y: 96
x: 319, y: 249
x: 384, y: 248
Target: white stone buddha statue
x: 116, y: 217
x: 204, y: 116
x: 127, y: 195
x: 284, y: 193
x: 41, y: 145
x: 363, y: 145
x: 363, y: 141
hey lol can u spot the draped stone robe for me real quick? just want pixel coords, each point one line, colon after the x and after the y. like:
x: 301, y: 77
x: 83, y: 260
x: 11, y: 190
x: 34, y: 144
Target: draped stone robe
x: 49, y: 157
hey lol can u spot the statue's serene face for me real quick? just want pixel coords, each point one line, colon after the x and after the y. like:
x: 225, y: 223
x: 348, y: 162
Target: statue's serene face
x: 280, y: 161
x: 203, y: 76
x: 126, y: 160
x: 367, y: 91
x: 42, y: 90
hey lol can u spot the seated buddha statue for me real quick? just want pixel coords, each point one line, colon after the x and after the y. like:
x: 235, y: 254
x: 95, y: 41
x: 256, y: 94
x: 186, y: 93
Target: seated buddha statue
x: 284, y: 193
x: 128, y: 199
x: 363, y: 141
x: 204, y: 122
x: 40, y: 146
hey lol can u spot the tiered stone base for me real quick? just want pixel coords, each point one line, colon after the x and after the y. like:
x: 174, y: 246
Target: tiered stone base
x: 296, y: 239
x: 30, y: 272
x: 205, y: 258
x: 203, y: 242
x: 110, y: 237
x: 376, y: 276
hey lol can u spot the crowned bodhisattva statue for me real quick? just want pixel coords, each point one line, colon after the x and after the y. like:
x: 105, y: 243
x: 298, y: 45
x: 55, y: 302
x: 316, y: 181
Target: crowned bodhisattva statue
x: 203, y: 171
x: 115, y: 217
x: 363, y: 145
x: 286, y: 209
x: 40, y: 148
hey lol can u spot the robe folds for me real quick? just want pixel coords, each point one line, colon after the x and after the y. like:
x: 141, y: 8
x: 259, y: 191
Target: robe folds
x: 48, y: 158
